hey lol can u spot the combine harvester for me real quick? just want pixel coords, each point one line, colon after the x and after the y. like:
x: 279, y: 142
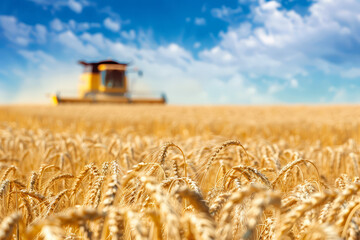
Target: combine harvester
x: 105, y: 82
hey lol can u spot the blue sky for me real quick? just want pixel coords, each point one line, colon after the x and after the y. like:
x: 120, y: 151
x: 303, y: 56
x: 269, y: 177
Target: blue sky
x: 197, y: 52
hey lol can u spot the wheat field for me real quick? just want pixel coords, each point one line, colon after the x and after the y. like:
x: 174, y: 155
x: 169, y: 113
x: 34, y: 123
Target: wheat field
x: 175, y: 172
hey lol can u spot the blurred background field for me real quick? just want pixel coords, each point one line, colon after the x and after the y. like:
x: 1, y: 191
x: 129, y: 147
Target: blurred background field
x: 328, y: 124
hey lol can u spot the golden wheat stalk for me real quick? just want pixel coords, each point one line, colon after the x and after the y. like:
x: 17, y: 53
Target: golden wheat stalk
x: 7, y: 226
x: 316, y: 200
x: 168, y: 215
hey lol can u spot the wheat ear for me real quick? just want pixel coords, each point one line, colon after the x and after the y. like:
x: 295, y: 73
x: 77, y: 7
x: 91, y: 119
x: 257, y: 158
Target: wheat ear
x: 235, y: 199
x: 167, y: 213
x: 79, y: 178
x: 290, y: 166
x: 7, y: 226
x: 316, y: 200
x: 219, y: 201
x: 4, y: 187
x: 52, y: 181
x: 346, y: 194
x: 202, y: 226
x: 255, y: 172
x: 7, y: 172
x: 195, y: 199
x: 259, y: 204
x: 162, y: 156
x: 55, y: 201
x: 33, y: 182
x: 116, y: 223
x: 224, y: 145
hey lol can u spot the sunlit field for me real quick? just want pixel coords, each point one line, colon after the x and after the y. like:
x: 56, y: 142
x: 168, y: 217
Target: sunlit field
x: 172, y: 172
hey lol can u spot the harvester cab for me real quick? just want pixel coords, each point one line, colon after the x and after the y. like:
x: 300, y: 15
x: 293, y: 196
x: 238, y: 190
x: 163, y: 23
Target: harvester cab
x: 105, y: 82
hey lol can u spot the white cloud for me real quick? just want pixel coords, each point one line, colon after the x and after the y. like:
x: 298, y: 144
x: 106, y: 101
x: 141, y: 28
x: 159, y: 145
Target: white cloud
x: 57, y: 25
x: 338, y: 94
x: 21, y: 33
x: 112, y: 24
x: 37, y: 56
x: 174, y: 54
x: 225, y: 13
x: 217, y: 55
x: 275, y: 88
x: 83, y: 26
x: 343, y: 94
x: 294, y: 83
x: 74, y: 5
x: 146, y: 38
x: 15, y: 31
x: 96, y: 39
x: 269, y: 6
x: 283, y: 44
x: 200, y: 21
x: 353, y: 72
x: 197, y: 44
x: 128, y: 35
x: 188, y: 19
x: 70, y: 40
x: 72, y: 24
x: 40, y: 33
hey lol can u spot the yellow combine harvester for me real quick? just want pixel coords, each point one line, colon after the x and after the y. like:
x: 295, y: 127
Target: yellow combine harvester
x: 105, y: 82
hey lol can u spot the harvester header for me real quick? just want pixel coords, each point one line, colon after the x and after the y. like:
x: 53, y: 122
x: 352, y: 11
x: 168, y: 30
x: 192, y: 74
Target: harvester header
x: 105, y: 82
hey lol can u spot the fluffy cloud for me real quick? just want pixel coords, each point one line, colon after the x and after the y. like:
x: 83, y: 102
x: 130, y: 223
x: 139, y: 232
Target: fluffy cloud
x: 58, y: 26
x: 282, y: 43
x: 353, y: 72
x: 197, y: 44
x: 129, y: 35
x: 40, y: 33
x: 294, y: 83
x: 200, y: 21
x: 96, y: 39
x: 112, y: 24
x: 15, y: 31
x: 226, y: 13
x: 21, y: 33
x: 70, y: 40
x: 343, y: 94
x: 37, y: 56
x: 76, y: 6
